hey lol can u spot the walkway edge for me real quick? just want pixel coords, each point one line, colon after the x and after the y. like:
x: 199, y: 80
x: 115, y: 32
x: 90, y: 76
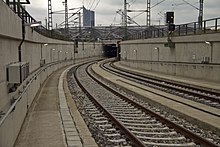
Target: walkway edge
x: 71, y: 134
x: 83, y: 132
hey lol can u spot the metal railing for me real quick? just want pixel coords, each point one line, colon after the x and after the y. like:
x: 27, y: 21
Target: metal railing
x: 209, y: 26
x: 23, y: 14
x: 29, y: 81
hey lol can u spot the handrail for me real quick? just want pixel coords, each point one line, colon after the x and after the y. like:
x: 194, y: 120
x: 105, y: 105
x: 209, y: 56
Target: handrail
x: 23, y: 14
x: 209, y: 26
x: 171, y: 62
x: 38, y: 72
x: 151, y: 32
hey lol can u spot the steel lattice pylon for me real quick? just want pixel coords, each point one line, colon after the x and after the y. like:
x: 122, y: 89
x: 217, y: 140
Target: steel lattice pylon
x: 50, y: 21
x: 200, y: 18
x: 148, y: 14
x: 66, y: 16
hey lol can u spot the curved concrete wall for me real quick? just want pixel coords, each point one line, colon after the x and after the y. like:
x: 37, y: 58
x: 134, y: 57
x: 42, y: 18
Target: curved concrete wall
x: 183, y: 60
x: 33, y: 51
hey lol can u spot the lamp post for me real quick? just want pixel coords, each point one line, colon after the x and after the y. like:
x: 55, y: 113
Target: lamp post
x: 51, y: 53
x: 211, y: 45
x: 66, y: 55
x: 59, y: 55
x: 125, y: 55
x: 33, y: 24
x: 158, y: 53
x: 44, y: 44
x: 135, y: 51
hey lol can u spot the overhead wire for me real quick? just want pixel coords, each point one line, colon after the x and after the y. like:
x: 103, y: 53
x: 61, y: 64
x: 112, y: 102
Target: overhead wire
x: 157, y: 4
x: 133, y: 2
x: 114, y: 20
x: 151, y: 8
x: 190, y: 4
x: 92, y: 5
x: 89, y: 3
x: 96, y: 5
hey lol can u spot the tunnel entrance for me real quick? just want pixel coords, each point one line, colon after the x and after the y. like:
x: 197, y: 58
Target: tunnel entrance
x: 110, y: 50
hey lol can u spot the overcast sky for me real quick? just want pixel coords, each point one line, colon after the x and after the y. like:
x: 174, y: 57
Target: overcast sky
x: 105, y: 10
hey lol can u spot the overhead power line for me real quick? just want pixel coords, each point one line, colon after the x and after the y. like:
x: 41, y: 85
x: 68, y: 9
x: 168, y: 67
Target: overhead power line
x: 89, y: 3
x: 157, y: 4
x: 190, y: 4
x: 96, y: 5
x: 92, y: 5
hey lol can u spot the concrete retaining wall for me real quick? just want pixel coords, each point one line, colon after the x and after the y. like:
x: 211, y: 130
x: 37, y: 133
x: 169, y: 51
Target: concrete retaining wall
x: 60, y: 53
x: 183, y: 60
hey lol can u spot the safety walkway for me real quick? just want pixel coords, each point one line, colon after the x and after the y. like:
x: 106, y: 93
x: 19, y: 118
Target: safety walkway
x: 166, y: 101
x: 193, y: 82
x: 53, y: 119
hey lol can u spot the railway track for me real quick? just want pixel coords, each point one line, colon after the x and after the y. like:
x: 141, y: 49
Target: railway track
x: 117, y: 120
x: 204, y: 96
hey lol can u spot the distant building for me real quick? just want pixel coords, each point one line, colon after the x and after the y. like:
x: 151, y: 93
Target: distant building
x: 88, y: 18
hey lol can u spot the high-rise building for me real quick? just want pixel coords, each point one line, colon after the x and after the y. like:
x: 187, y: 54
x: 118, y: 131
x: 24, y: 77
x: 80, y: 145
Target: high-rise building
x: 88, y: 18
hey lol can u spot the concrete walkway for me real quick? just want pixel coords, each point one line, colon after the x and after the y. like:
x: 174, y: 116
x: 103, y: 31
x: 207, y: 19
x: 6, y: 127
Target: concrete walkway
x: 53, y: 120
x: 43, y: 125
x: 159, y: 98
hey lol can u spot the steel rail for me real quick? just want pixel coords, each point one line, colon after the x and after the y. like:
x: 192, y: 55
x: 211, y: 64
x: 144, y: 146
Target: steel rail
x: 126, y: 132
x: 198, y: 139
x: 208, y: 97
x: 198, y: 108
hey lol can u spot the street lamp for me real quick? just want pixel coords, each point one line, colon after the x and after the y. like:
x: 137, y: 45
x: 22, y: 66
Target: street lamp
x: 51, y: 53
x: 42, y: 44
x: 211, y: 45
x: 158, y: 53
x: 125, y: 55
x: 135, y: 51
x: 32, y: 24
x: 65, y: 55
x: 59, y: 55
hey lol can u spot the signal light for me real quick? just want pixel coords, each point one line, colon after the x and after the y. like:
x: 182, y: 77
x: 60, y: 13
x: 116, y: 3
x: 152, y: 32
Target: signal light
x: 169, y: 17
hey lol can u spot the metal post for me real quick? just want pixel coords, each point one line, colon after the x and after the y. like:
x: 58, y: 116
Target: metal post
x: 66, y: 17
x: 200, y: 18
x: 125, y: 20
x: 46, y: 23
x: 80, y: 25
x: 50, y: 21
x: 18, y: 9
x: 7, y: 2
x: 148, y: 14
x: 41, y: 46
x: 216, y: 25
x: 14, y: 5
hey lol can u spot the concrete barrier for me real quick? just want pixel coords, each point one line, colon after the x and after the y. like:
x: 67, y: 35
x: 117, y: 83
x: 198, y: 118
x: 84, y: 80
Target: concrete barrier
x: 56, y: 54
x: 196, y: 56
